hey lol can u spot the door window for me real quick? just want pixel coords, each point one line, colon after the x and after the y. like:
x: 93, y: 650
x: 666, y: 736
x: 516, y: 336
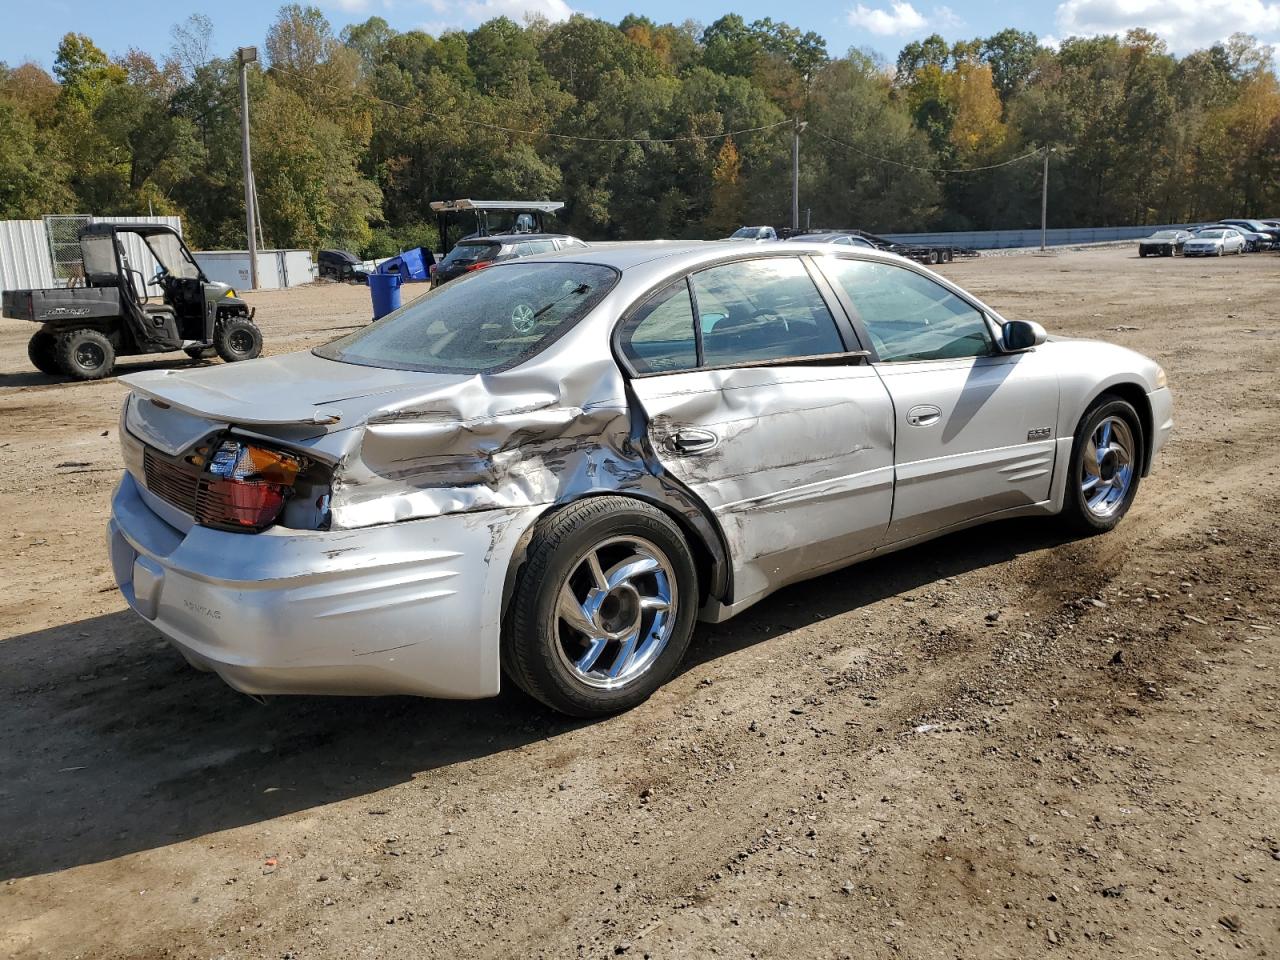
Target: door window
x: 765, y: 309
x: 527, y: 248
x: 909, y: 316
x: 659, y: 337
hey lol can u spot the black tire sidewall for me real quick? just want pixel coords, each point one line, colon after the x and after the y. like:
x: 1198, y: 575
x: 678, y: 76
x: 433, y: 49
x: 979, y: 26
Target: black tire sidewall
x: 1075, y: 509
x: 65, y: 353
x: 226, y: 329
x: 530, y: 638
x: 42, y: 351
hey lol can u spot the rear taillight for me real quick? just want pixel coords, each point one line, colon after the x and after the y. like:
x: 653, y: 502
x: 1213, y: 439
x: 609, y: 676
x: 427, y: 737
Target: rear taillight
x: 477, y: 266
x: 247, y: 486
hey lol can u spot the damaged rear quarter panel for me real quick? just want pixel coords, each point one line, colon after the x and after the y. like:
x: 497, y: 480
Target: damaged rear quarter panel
x: 554, y: 429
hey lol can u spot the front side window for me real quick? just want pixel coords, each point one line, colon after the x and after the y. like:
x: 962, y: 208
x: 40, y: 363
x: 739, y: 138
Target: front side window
x: 765, y: 309
x: 659, y: 336
x: 909, y: 316
x: 489, y: 320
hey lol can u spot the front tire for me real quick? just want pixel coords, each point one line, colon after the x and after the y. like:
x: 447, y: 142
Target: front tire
x: 85, y: 355
x: 1106, y: 466
x: 603, y: 609
x: 42, y: 351
x: 237, y: 338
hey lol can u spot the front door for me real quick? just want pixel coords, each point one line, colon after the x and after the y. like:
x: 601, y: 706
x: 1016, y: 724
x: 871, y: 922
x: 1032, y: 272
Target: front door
x: 754, y: 402
x: 975, y: 427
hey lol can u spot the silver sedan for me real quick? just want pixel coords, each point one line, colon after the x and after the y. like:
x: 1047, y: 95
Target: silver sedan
x: 549, y: 470
x: 1214, y: 242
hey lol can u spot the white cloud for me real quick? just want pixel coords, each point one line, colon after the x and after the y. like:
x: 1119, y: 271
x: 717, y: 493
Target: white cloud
x: 471, y: 13
x: 901, y: 18
x: 1185, y: 25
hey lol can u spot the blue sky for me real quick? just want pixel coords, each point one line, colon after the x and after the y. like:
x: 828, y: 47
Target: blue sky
x: 32, y: 30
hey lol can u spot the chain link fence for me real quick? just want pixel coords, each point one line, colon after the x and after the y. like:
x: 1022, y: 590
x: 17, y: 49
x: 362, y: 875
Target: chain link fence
x: 64, y: 248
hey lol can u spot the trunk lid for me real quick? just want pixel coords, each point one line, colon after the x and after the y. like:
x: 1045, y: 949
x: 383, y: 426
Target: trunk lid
x: 291, y: 390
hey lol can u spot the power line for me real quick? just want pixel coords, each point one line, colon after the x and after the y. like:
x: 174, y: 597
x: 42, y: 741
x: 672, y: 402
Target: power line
x: 535, y: 133
x: 911, y: 166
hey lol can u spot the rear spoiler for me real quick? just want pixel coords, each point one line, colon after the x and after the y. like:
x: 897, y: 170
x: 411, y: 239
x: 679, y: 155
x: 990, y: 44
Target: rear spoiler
x: 166, y: 389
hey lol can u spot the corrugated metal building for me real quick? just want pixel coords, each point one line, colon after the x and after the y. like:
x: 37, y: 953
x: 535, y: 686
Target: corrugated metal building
x: 26, y: 259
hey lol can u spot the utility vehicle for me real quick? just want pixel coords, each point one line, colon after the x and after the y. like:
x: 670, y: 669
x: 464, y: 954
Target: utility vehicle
x: 110, y: 311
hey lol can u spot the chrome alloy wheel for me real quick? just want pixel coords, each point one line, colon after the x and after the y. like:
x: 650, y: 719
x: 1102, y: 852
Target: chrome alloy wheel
x: 616, y: 611
x: 1108, y: 466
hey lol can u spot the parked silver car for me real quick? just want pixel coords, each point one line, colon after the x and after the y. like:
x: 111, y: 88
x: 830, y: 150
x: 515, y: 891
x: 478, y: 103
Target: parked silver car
x: 553, y: 467
x: 1214, y: 242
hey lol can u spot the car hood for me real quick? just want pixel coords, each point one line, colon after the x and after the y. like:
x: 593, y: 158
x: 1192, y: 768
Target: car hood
x: 293, y: 388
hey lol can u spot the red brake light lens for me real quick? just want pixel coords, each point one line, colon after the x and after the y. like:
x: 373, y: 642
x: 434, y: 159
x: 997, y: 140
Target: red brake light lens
x: 247, y: 486
x: 478, y: 266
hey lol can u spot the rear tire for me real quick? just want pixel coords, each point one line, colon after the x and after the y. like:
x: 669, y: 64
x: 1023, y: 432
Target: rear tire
x: 237, y: 338
x: 620, y: 640
x: 85, y: 355
x: 42, y: 351
x: 934, y: 257
x: 1100, y: 490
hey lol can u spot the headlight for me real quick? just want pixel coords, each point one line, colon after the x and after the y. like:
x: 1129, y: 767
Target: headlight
x: 1162, y: 379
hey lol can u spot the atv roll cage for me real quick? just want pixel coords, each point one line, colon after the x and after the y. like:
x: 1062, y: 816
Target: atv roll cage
x: 511, y: 216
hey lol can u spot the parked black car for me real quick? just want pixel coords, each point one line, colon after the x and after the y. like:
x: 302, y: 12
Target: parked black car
x: 341, y: 265
x: 476, y: 253
x: 1163, y: 243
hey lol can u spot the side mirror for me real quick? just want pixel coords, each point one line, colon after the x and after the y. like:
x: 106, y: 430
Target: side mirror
x: 1020, y: 335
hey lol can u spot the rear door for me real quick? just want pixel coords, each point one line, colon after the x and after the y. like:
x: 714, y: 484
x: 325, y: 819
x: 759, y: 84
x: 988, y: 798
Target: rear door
x: 754, y: 401
x: 975, y: 427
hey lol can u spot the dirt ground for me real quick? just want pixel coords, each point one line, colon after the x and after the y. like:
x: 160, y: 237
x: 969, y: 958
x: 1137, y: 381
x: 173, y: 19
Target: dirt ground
x: 1004, y: 744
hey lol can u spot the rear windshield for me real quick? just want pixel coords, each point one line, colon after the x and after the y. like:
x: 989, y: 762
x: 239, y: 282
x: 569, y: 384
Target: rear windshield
x: 465, y: 253
x: 488, y: 320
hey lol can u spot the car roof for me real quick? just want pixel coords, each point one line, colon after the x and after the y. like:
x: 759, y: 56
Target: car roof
x: 664, y: 256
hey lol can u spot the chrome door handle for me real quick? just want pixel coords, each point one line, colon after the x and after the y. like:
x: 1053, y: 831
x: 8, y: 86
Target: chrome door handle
x: 923, y: 415
x: 690, y: 440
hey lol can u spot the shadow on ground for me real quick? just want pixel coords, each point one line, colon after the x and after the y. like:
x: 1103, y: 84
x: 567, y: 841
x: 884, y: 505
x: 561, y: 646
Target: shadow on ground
x: 112, y: 744
x: 169, y: 361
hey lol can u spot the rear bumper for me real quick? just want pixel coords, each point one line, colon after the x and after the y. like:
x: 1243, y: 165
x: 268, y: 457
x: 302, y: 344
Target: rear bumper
x: 408, y: 608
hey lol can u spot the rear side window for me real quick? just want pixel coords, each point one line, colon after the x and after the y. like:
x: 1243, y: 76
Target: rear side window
x: 659, y: 336
x: 528, y: 248
x: 909, y: 316
x: 765, y: 309
x: 465, y: 253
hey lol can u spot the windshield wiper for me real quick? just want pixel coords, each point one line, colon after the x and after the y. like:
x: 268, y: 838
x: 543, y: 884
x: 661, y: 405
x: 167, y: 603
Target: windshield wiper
x: 576, y: 291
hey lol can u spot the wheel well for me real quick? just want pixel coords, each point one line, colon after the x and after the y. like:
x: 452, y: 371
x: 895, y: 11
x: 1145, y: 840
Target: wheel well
x: 703, y: 558
x: 1136, y: 396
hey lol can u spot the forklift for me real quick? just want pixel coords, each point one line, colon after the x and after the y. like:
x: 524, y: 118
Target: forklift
x: 84, y: 328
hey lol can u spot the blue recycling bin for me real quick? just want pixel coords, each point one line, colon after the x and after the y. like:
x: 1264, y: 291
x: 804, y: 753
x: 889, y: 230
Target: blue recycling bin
x: 384, y: 290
